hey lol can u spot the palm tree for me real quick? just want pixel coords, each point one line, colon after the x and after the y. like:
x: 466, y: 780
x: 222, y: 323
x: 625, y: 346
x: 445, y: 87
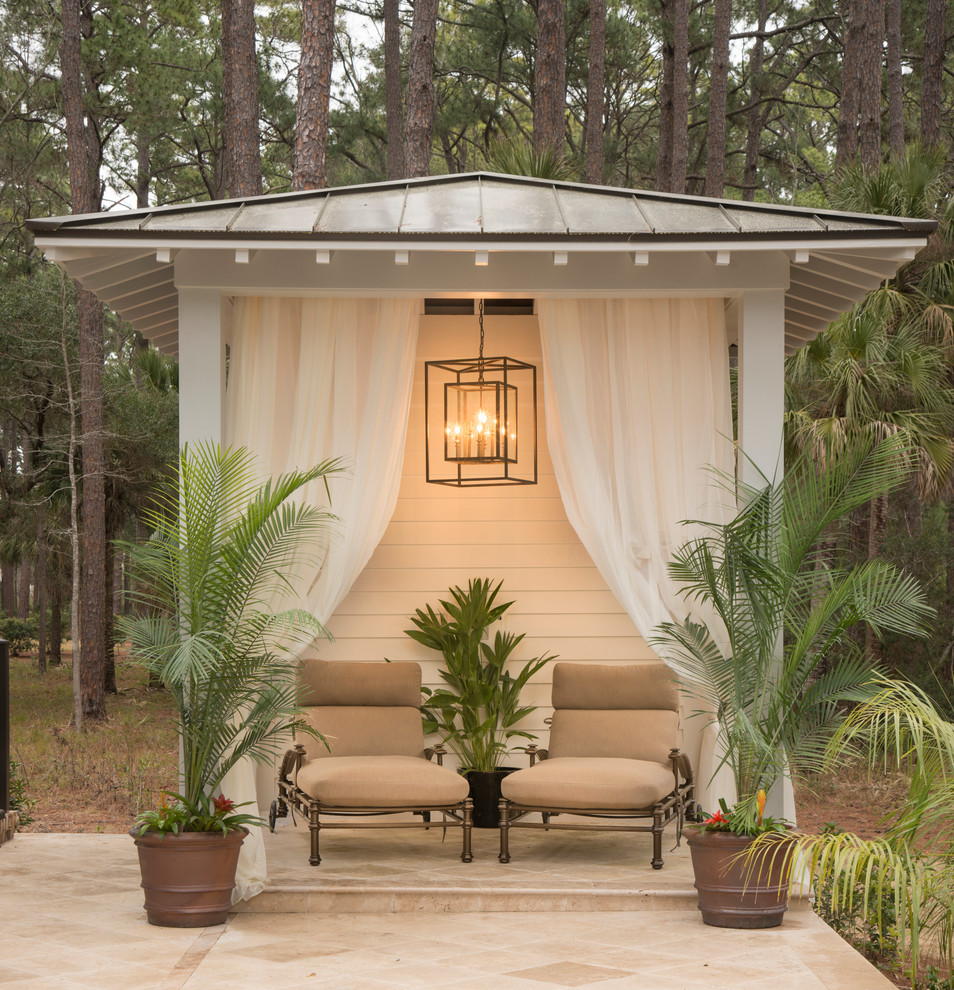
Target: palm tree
x: 762, y: 664
x: 224, y: 550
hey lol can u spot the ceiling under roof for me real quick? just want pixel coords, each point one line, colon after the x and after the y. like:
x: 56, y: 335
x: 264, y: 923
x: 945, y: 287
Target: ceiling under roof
x: 844, y: 255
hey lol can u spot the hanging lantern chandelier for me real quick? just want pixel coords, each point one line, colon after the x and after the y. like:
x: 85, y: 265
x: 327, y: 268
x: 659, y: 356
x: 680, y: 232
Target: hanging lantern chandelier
x: 480, y: 420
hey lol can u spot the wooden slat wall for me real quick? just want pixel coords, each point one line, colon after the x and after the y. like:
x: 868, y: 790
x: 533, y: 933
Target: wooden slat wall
x: 441, y: 536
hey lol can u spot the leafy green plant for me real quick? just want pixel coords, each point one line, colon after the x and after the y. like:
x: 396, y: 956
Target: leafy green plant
x: 739, y: 821
x: 19, y: 801
x: 476, y: 713
x: 19, y: 633
x: 776, y: 662
x: 906, y: 876
x: 207, y: 814
x: 223, y: 550
x: 868, y: 926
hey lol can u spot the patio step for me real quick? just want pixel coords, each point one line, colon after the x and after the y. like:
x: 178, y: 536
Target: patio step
x: 297, y: 898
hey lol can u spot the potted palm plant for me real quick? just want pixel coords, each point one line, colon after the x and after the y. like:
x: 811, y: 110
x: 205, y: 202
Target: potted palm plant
x: 476, y: 713
x: 775, y: 663
x: 223, y: 549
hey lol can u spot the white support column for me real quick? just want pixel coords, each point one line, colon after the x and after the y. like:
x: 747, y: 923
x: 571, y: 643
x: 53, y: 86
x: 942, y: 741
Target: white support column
x: 761, y: 422
x: 201, y: 366
x: 761, y: 383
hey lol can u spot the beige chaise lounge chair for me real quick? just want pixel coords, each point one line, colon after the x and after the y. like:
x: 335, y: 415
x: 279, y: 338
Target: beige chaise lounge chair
x: 612, y: 754
x: 377, y: 765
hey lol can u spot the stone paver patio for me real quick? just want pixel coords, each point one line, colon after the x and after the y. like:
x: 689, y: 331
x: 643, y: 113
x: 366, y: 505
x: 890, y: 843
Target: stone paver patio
x: 398, y: 909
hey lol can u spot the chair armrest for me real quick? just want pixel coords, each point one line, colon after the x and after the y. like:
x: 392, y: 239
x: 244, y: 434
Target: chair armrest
x: 681, y: 765
x: 439, y: 751
x: 291, y: 761
x: 533, y: 752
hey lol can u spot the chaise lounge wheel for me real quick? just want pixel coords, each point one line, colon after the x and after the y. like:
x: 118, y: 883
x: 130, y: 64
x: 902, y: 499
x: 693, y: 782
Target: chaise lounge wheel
x: 272, y: 815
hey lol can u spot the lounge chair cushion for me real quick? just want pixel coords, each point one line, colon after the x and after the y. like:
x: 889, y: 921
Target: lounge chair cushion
x: 599, y: 784
x: 365, y: 730
x: 631, y: 735
x: 381, y: 782
x: 604, y: 686
x: 330, y: 682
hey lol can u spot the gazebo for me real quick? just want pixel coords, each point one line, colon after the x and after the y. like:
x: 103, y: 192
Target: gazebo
x: 327, y: 309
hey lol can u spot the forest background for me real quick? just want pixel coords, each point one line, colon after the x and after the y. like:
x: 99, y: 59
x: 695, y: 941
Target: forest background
x: 149, y: 102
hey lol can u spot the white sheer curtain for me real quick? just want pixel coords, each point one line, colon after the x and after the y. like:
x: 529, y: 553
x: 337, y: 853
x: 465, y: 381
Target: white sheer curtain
x: 312, y: 379
x: 637, y: 409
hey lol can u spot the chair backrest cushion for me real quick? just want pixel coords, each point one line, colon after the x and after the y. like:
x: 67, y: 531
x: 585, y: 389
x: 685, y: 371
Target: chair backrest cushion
x: 363, y: 709
x: 629, y: 735
x: 365, y: 730
x: 593, y: 686
x: 626, y: 712
x: 336, y: 682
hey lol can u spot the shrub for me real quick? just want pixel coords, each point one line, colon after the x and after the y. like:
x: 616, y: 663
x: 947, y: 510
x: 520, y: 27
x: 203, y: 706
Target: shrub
x: 19, y: 633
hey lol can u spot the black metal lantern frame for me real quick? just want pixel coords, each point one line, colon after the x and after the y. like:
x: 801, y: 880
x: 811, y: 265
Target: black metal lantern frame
x: 476, y: 413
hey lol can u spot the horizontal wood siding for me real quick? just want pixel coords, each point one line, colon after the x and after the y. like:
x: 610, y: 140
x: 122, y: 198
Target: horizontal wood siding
x: 441, y: 536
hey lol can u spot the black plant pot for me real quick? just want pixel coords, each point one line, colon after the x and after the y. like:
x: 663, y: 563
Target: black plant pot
x: 485, y: 792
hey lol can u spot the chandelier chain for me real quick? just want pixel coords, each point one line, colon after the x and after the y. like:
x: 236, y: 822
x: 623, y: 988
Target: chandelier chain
x: 480, y: 358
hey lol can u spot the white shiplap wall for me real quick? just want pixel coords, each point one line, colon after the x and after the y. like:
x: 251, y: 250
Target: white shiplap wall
x: 441, y: 536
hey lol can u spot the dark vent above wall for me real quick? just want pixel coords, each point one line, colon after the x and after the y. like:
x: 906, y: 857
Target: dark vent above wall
x: 467, y: 307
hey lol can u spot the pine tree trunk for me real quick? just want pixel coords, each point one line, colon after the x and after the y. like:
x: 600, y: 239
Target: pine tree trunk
x: 394, y: 102
x: 869, y: 104
x: 8, y: 588
x: 718, y: 90
x: 92, y: 605
x: 421, y: 97
x: 595, y: 84
x: 850, y: 98
x: 314, y: 94
x: 680, y: 95
x: 895, y: 79
x: 549, y: 79
x: 877, y: 527
x: 933, y: 72
x: 109, y: 649
x: 240, y: 98
x: 664, y: 154
x: 85, y: 155
x: 23, y: 589
x: 756, y: 115
x: 56, y: 618
x: 41, y: 593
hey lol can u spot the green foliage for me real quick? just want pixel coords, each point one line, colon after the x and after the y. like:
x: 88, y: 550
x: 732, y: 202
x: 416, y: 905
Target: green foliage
x: 906, y: 876
x: 224, y: 549
x: 20, y: 802
x: 764, y: 661
x: 519, y: 158
x: 476, y: 713
x: 862, y: 920
x: 19, y: 633
x: 743, y: 819
x: 206, y: 814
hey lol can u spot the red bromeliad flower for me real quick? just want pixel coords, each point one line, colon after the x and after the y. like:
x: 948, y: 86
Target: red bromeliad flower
x: 717, y: 819
x: 223, y: 805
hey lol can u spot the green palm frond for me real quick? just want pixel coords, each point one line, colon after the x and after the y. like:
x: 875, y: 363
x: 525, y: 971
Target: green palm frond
x: 225, y: 548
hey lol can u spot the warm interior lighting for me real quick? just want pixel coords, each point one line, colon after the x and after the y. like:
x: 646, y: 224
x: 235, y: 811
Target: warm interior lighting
x: 480, y: 419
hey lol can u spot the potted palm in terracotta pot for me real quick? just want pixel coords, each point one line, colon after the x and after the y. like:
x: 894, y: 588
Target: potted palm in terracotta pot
x: 223, y: 550
x: 775, y: 662
x: 476, y: 713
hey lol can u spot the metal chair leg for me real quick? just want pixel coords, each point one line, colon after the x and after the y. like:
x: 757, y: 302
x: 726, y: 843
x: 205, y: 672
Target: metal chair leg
x: 314, y: 829
x: 467, y: 854
x: 504, y: 855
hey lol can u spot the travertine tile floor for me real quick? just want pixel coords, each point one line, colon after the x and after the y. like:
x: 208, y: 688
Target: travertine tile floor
x: 71, y: 917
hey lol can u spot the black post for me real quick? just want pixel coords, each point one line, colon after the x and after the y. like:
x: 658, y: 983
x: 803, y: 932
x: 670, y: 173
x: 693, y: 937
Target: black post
x: 4, y: 728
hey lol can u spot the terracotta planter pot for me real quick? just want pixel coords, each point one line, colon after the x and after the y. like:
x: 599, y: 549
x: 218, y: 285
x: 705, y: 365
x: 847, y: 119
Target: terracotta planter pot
x: 188, y: 878
x: 733, y: 894
x: 485, y: 791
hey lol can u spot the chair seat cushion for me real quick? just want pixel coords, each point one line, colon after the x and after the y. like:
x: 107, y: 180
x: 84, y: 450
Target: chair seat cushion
x: 381, y: 782
x: 600, y: 783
